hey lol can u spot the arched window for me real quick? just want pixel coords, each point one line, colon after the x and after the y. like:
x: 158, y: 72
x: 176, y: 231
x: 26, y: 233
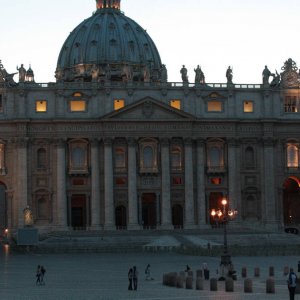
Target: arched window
x: 292, y: 156
x: 176, y: 158
x: 249, y: 157
x: 148, y: 157
x: 42, y: 158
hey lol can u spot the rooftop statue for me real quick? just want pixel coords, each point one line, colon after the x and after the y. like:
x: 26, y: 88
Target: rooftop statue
x: 266, y: 75
x: 229, y: 75
x: 184, y: 75
x: 6, y: 77
x: 127, y: 73
x: 163, y: 73
x: 95, y: 73
x: 276, y: 80
x: 199, y: 76
x: 146, y: 73
x: 22, y: 73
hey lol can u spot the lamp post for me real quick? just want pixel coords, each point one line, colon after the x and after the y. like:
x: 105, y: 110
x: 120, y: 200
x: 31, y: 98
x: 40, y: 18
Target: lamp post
x: 223, y: 216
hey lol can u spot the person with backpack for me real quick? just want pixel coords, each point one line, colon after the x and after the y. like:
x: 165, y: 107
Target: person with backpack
x: 292, y: 282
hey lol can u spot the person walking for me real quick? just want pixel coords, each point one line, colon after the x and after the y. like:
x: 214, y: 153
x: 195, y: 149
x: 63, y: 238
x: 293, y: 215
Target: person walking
x: 148, y: 272
x: 43, y: 271
x: 292, y: 282
x: 38, y: 275
x: 135, y: 278
x: 130, y: 278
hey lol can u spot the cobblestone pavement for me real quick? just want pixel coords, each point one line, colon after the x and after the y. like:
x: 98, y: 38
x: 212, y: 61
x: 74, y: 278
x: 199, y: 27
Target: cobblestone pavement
x: 104, y: 276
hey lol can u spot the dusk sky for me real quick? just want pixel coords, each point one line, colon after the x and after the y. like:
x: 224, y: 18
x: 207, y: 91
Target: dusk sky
x: 215, y: 34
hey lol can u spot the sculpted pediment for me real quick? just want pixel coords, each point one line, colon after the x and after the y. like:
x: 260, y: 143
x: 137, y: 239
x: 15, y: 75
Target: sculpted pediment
x: 148, y: 109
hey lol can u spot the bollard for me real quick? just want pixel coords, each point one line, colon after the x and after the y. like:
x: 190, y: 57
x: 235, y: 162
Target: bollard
x: 189, y: 283
x: 229, y: 285
x: 271, y: 271
x: 244, y: 272
x: 248, y: 286
x: 199, y: 284
x: 199, y: 273
x: 190, y: 273
x: 256, y: 272
x: 214, y: 284
x: 270, y: 286
x: 180, y: 282
x: 172, y: 279
x: 286, y: 271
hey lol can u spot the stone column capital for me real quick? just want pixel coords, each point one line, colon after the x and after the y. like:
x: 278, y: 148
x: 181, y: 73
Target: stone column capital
x: 131, y: 142
x: 94, y: 142
x: 201, y: 142
x: 165, y: 142
x: 188, y: 142
x: 22, y: 142
x: 108, y: 141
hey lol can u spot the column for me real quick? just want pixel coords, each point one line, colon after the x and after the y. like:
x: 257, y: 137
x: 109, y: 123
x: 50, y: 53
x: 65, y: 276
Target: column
x: 22, y: 178
x: 269, y: 207
x: 189, y: 185
x: 132, y: 187
x: 109, y: 222
x: 95, y: 178
x: 165, y: 185
x: 61, y: 199
x: 201, y: 199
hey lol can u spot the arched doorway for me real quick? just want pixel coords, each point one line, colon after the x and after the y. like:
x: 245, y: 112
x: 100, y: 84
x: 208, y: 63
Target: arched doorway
x: 149, y: 210
x: 3, y: 207
x: 177, y: 216
x: 121, y: 217
x: 291, y: 201
x: 78, y: 212
x: 215, y: 199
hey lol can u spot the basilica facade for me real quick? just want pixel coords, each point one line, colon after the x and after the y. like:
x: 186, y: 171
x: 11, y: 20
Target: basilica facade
x: 112, y: 144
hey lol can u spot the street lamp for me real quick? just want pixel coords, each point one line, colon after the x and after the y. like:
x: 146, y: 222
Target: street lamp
x: 223, y: 216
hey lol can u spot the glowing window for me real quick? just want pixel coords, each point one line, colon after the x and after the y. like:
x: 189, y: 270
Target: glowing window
x: 214, y: 106
x: 41, y: 106
x: 292, y: 156
x: 77, y: 105
x: 291, y: 104
x: 216, y: 181
x: 248, y: 106
x: 77, y: 94
x: 118, y: 104
x: 176, y: 104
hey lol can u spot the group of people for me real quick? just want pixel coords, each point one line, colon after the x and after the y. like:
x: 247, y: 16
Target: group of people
x: 40, y: 274
x: 133, y: 277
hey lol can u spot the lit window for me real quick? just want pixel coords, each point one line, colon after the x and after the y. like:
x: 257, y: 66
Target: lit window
x: 176, y: 104
x: 77, y: 94
x: 292, y: 156
x: 118, y: 104
x: 214, y: 106
x: 291, y: 104
x: 248, y: 106
x: 77, y: 105
x: 41, y: 106
x: 216, y: 181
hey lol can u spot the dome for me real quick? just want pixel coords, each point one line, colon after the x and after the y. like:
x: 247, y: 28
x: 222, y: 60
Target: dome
x: 108, y: 46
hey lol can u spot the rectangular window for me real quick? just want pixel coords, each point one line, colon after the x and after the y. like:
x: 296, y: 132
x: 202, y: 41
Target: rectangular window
x: 214, y: 106
x: 216, y: 180
x: 118, y: 104
x: 248, y: 106
x: 176, y: 180
x: 121, y: 181
x: 290, y: 104
x: 41, y: 106
x: 176, y: 104
x: 77, y: 105
x: 1, y: 103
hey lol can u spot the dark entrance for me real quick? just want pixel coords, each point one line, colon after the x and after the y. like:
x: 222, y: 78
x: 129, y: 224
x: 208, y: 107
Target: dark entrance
x: 78, y: 212
x: 121, y: 220
x: 291, y: 201
x: 149, y: 210
x: 177, y: 216
x: 215, y: 202
x: 3, y: 213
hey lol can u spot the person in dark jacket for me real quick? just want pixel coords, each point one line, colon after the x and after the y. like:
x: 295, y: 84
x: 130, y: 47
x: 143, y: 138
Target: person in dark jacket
x: 135, y: 278
x: 130, y: 278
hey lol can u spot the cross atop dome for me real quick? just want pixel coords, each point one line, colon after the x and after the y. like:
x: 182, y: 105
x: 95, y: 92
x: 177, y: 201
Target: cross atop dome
x: 114, y: 4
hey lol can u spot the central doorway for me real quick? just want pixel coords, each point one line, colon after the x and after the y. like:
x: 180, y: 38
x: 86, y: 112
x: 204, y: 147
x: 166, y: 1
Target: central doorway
x: 291, y: 201
x: 78, y: 212
x: 149, y: 210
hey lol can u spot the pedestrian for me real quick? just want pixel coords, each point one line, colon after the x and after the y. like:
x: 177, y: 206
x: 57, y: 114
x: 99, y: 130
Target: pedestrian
x: 43, y: 271
x: 148, y: 272
x: 130, y: 278
x: 38, y: 275
x: 135, y: 278
x: 187, y: 268
x: 292, y: 282
x: 205, y: 271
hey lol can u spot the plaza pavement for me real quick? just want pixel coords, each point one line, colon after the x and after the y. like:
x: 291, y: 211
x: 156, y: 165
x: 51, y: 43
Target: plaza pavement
x: 104, y: 276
